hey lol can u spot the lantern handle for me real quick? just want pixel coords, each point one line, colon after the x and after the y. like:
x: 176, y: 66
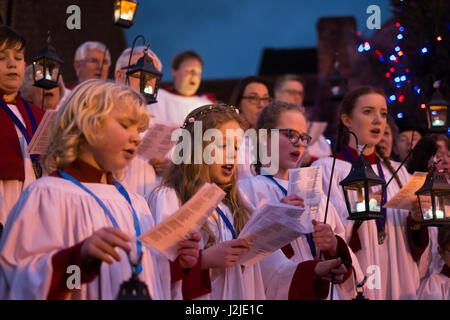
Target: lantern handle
x: 131, y: 54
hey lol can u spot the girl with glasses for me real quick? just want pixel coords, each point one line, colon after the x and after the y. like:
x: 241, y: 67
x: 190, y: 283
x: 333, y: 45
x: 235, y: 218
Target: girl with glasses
x: 280, y: 268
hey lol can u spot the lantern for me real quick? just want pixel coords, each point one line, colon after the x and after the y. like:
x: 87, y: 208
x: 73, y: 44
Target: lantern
x: 360, y: 204
x: 47, y: 67
x: 149, y: 76
x: 124, y: 11
x: 437, y: 190
x: 437, y: 113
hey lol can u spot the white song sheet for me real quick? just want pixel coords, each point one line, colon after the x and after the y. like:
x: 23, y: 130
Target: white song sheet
x: 41, y: 138
x: 271, y: 227
x: 157, y: 140
x: 165, y: 236
x: 405, y: 197
x: 307, y: 183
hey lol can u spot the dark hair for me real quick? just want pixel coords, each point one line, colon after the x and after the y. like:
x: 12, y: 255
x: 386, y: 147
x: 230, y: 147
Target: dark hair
x: 287, y: 77
x: 442, y: 137
x: 269, y: 118
x: 238, y: 91
x: 421, y: 154
x: 185, y: 55
x: 443, y: 236
x: 385, y: 158
x: 11, y: 38
x: 347, y: 106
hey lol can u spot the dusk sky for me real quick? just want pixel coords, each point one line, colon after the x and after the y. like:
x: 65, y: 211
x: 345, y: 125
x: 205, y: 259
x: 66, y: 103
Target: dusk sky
x: 231, y: 35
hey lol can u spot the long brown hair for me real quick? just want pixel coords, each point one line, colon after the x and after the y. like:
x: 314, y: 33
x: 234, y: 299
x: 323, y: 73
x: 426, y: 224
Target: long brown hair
x: 187, y: 178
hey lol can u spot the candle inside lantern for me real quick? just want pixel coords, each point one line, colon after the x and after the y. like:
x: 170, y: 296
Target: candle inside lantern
x: 428, y: 215
x: 373, y: 205
x: 38, y: 75
x: 440, y: 214
x: 148, y: 90
x: 360, y: 206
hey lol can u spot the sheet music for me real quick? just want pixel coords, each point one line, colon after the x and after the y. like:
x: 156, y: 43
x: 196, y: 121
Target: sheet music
x: 405, y: 197
x: 165, y: 236
x: 271, y: 227
x: 41, y: 138
x: 307, y: 183
x: 157, y: 140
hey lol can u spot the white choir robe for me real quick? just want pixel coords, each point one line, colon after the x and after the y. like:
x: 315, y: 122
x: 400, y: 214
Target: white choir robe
x: 173, y: 107
x: 10, y: 190
x: 246, y: 158
x: 398, y: 276
x: 140, y: 176
x: 53, y: 214
x: 435, y: 287
x: 226, y: 284
x: 431, y: 262
x: 277, y: 269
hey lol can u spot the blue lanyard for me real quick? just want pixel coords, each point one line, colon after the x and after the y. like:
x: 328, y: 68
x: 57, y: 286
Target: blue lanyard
x: 381, y: 222
x: 19, y: 123
x: 309, y: 236
x: 227, y: 222
x: 124, y: 193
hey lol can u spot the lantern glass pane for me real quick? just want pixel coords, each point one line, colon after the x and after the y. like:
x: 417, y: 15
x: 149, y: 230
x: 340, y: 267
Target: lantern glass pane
x: 51, y: 70
x: 357, y: 200
x: 438, y: 116
x: 148, y: 83
x: 124, y: 10
x: 441, y: 210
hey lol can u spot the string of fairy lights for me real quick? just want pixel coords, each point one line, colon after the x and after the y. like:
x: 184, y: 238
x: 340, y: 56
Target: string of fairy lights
x: 396, y: 72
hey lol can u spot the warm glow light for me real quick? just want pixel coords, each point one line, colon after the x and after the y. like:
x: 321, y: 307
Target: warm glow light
x: 423, y: 106
x: 439, y: 38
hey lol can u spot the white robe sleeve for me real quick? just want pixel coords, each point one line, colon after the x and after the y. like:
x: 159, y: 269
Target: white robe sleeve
x: 26, y: 264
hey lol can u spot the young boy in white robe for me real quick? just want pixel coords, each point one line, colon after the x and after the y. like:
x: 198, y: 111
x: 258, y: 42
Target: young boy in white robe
x: 19, y: 120
x: 387, y: 249
x: 278, y: 272
x: 81, y: 216
x: 437, y: 285
x: 140, y: 176
x: 221, y: 276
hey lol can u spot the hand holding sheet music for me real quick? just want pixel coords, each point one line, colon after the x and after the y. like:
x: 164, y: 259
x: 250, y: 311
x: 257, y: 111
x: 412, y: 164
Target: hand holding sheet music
x: 307, y: 183
x: 165, y: 236
x: 271, y: 227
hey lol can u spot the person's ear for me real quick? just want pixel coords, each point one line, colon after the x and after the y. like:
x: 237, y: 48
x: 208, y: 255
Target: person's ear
x: 346, y: 120
x: 118, y: 76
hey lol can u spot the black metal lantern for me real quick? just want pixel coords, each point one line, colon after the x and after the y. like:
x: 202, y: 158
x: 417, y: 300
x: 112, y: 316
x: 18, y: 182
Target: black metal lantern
x: 124, y: 12
x: 356, y: 187
x: 145, y: 70
x: 47, y: 67
x: 338, y: 84
x: 437, y: 113
x: 437, y: 189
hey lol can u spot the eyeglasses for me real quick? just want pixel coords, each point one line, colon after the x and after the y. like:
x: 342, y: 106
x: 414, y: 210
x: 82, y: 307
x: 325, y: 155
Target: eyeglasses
x: 293, y: 92
x: 106, y: 63
x: 294, y: 137
x: 256, y: 100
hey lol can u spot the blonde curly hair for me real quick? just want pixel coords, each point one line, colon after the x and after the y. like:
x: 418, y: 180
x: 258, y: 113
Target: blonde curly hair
x: 80, y: 119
